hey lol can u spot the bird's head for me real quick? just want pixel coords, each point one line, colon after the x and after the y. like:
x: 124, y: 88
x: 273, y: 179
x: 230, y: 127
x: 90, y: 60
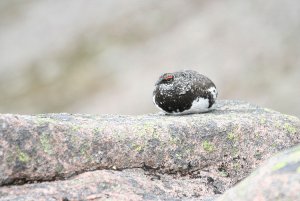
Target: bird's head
x: 166, y: 78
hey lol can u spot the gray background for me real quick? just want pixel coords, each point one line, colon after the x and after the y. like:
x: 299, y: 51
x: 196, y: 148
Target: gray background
x: 104, y: 56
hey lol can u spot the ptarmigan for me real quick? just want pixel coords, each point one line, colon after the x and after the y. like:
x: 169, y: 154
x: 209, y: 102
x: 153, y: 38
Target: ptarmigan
x: 184, y: 92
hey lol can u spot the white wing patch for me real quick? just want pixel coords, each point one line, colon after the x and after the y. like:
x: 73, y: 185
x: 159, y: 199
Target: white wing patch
x: 198, y: 106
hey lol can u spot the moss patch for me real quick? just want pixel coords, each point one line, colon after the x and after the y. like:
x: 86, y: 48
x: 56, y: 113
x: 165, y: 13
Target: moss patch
x: 22, y: 156
x: 279, y: 166
x: 289, y: 128
x: 137, y: 148
x: 41, y: 120
x: 45, y: 141
x: 231, y: 136
x: 208, y: 146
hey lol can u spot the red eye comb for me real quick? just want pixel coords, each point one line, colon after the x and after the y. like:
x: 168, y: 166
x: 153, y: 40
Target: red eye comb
x: 168, y: 77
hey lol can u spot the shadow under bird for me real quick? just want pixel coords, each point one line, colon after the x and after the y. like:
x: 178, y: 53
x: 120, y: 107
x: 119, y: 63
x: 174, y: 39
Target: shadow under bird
x: 184, y: 92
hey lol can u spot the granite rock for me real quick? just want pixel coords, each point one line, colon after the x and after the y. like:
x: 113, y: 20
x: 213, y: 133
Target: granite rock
x: 277, y: 179
x: 183, y: 157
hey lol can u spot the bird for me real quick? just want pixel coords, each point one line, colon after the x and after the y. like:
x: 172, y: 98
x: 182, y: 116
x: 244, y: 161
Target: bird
x: 184, y: 92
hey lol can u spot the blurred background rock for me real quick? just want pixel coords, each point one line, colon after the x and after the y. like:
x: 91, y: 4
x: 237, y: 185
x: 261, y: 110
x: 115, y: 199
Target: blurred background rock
x: 104, y: 56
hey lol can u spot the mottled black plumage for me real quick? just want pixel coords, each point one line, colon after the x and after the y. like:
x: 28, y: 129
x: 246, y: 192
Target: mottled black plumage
x: 184, y: 92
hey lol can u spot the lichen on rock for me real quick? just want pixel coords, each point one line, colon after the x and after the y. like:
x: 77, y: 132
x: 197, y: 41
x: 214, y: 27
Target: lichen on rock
x: 210, y: 151
x: 277, y: 179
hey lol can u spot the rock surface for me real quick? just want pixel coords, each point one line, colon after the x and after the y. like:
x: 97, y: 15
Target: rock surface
x: 277, y: 179
x: 154, y: 156
x: 131, y: 184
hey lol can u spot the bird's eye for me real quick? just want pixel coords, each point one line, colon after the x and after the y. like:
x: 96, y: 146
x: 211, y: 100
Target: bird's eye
x: 168, y: 77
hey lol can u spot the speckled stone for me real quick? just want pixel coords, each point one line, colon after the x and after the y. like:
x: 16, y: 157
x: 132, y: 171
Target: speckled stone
x: 210, y: 152
x: 276, y: 179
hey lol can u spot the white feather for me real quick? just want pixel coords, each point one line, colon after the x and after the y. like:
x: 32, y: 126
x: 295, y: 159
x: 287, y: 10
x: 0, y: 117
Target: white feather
x: 199, y: 105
